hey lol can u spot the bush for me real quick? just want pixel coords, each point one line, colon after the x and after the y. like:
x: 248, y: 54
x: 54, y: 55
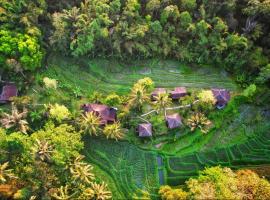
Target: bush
x: 113, y: 100
x: 58, y: 112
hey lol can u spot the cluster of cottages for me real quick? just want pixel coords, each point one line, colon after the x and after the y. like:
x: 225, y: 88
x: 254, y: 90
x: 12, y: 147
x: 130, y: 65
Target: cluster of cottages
x: 108, y: 114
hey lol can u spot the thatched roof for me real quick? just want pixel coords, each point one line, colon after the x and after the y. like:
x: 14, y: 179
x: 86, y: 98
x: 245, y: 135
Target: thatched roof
x: 222, y: 96
x: 157, y: 91
x: 173, y: 121
x: 178, y: 92
x: 8, y: 91
x: 145, y: 130
x: 107, y: 114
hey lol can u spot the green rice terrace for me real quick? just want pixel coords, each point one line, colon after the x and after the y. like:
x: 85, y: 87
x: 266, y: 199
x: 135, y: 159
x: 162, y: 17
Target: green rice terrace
x: 134, y: 99
x: 133, y: 168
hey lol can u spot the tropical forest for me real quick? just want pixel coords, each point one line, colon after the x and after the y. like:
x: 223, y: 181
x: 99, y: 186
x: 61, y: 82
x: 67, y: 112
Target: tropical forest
x: 134, y: 99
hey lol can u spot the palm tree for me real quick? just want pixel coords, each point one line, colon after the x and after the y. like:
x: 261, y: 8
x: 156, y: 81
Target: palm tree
x: 199, y: 120
x: 90, y: 123
x: 43, y: 150
x: 162, y: 101
x: 15, y: 119
x: 62, y: 193
x: 138, y: 97
x: 82, y: 171
x: 5, y: 173
x: 113, y: 131
x: 97, y: 192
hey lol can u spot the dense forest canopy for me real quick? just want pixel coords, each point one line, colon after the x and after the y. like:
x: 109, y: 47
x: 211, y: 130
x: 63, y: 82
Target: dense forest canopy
x: 231, y: 34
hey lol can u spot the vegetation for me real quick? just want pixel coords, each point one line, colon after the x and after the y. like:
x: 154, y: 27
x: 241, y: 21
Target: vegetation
x: 65, y: 54
x: 221, y: 183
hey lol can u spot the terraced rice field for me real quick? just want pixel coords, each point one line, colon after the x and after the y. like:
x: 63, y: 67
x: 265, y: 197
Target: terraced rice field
x: 133, y: 172
x: 110, y: 76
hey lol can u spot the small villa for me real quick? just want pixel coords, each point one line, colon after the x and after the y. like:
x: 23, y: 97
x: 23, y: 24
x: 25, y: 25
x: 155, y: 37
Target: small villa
x: 222, y: 96
x: 8, y: 91
x: 178, y: 92
x: 107, y: 114
x: 157, y: 92
x: 173, y: 121
x: 145, y: 130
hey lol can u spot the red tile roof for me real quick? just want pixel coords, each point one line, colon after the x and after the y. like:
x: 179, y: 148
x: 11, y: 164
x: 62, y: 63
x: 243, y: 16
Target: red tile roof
x: 8, y: 91
x: 107, y: 114
x: 173, y: 121
x: 145, y: 130
x: 178, y: 92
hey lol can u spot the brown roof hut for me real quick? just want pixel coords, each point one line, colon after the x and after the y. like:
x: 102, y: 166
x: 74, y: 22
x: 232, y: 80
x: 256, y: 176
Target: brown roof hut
x: 107, y: 114
x: 145, y: 130
x: 8, y: 91
x: 222, y: 96
x: 173, y: 121
x: 178, y: 92
x: 157, y: 92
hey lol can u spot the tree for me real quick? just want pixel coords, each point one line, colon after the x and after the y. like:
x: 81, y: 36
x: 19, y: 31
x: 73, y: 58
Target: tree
x: 98, y: 192
x: 62, y: 193
x: 113, y: 100
x: 65, y: 140
x: 43, y: 150
x: 198, y: 120
x: 113, y: 131
x: 162, y: 101
x: 19, y: 51
x: 168, y: 193
x: 138, y: 97
x: 58, y: 112
x: 81, y: 171
x: 15, y: 119
x: 5, y: 173
x: 90, y: 123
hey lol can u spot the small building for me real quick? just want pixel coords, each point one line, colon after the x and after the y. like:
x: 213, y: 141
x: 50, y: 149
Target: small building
x: 173, y: 121
x: 145, y: 130
x: 222, y: 97
x: 107, y: 114
x: 8, y: 91
x: 178, y: 92
x: 157, y: 92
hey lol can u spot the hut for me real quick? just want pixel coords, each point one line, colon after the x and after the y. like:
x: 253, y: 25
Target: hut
x: 173, y: 121
x: 157, y: 92
x: 8, y: 91
x: 145, y: 130
x: 178, y: 92
x: 107, y: 114
x: 222, y: 97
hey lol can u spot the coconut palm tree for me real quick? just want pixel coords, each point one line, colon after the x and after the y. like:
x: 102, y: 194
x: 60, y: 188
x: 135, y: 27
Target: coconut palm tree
x: 90, y: 123
x: 113, y: 131
x: 43, y: 150
x: 138, y: 97
x: 162, y: 101
x: 97, y: 192
x: 5, y: 173
x: 62, y: 193
x: 82, y: 171
x: 15, y: 119
x: 199, y: 120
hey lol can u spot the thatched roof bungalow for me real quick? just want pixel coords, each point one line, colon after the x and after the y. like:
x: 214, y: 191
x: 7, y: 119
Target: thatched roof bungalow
x: 145, y: 130
x: 8, y: 91
x: 173, y: 121
x: 222, y: 96
x: 107, y: 114
x: 178, y: 92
